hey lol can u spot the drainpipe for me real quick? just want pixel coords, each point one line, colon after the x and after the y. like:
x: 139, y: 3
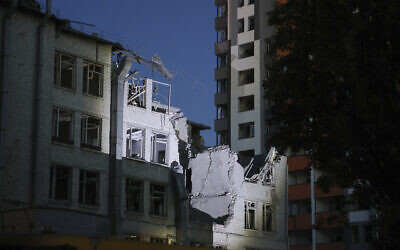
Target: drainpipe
x: 37, y: 101
x: 5, y: 54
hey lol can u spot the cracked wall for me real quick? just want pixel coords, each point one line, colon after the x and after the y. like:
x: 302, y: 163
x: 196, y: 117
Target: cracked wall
x: 216, y: 180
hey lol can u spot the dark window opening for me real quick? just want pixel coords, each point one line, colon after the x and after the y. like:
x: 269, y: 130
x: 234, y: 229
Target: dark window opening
x: 251, y: 23
x: 246, y: 50
x: 241, y: 3
x: 267, y: 218
x: 62, y: 128
x: 246, y: 130
x: 246, y: 103
x: 89, y: 188
x: 222, y: 138
x: 60, y: 183
x: 134, y: 195
x: 249, y: 215
x: 222, y: 61
x: 222, y: 86
x: 64, y: 71
x: 91, y: 132
x: 93, y: 79
x: 158, y: 200
x: 246, y: 76
x: 241, y: 25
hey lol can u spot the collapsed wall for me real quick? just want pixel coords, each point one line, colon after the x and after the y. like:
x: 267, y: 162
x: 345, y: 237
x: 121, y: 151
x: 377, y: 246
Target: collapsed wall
x: 216, y: 180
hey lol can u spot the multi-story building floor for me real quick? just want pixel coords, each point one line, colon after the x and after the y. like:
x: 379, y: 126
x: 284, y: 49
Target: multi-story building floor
x: 319, y: 220
x: 243, y: 59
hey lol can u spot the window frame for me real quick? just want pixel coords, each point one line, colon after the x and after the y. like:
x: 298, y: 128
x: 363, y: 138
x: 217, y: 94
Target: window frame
x: 240, y: 25
x: 242, y: 99
x: 55, y: 137
x: 247, y: 217
x: 84, y: 126
x: 250, y: 23
x: 265, y: 226
x: 154, y: 141
x: 128, y: 187
x: 86, y: 79
x: 129, y: 144
x: 165, y: 200
x: 53, y: 184
x: 251, y: 130
x: 58, y: 63
x: 83, y: 200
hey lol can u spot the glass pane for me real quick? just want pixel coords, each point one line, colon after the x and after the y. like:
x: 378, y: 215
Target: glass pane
x: 62, y: 183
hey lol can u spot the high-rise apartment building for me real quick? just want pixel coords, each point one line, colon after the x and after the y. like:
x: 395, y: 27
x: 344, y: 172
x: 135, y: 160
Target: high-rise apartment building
x: 243, y: 59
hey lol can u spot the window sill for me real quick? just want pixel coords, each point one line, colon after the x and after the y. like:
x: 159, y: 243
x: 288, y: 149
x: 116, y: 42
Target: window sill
x: 133, y: 212
x: 164, y: 217
x: 246, y: 138
x: 251, y: 230
x: 72, y: 90
x: 159, y: 164
x: 62, y: 203
x: 136, y: 159
x: 89, y: 207
x: 58, y: 143
x: 94, y: 96
x: 91, y: 148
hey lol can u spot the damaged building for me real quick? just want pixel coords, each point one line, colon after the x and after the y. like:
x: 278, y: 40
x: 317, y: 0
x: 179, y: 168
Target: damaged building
x: 247, y: 203
x: 85, y: 148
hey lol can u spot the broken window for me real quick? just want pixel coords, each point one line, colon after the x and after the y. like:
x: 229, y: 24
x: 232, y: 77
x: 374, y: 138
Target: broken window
x: 246, y: 76
x: 222, y: 61
x: 158, y: 200
x: 221, y: 35
x: 60, y: 183
x: 246, y: 50
x: 93, y: 79
x: 267, y: 218
x: 134, y: 195
x: 251, y: 23
x: 222, y: 86
x: 89, y: 183
x: 222, y: 111
x: 159, y: 148
x: 91, y: 132
x: 222, y: 138
x: 134, y: 142
x: 246, y: 130
x: 246, y: 103
x: 62, y: 128
x: 249, y: 215
x: 64, y: 71
x: 241, y: 25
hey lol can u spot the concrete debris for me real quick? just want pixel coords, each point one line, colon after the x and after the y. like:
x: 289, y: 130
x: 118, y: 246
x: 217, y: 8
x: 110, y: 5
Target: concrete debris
x: 179, y: 123
x: 216, y: 180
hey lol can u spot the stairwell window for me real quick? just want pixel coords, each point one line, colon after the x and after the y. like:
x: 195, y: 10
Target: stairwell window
x: 89, y: 188
x: 267, y: 218
x: 158, y: 200
x: 64, y: 71
x: 134, y: 143
x: 93, y: 75
x: 249, y: 215
x: 62, y: 126
x: 60, y: 183
x: 91, y: 132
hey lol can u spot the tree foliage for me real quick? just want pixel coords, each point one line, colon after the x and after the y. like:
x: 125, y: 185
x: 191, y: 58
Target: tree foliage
x: 336, y: 95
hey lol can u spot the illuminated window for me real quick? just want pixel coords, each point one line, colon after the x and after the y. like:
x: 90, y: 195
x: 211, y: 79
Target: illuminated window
x: 134, y: 143
x: 93, y: 79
